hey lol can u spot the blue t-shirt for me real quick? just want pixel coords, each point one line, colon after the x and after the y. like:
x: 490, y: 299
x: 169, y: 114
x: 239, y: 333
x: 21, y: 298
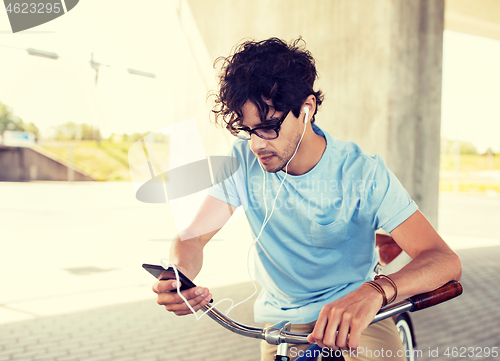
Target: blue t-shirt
x: 319, y: 244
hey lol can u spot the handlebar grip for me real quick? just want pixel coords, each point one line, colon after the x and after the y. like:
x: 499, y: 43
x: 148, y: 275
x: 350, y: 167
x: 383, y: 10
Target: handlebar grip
x: 444, y: 293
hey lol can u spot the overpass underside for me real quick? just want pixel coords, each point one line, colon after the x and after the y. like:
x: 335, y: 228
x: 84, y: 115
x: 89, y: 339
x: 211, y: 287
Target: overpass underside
x: 21, y: 164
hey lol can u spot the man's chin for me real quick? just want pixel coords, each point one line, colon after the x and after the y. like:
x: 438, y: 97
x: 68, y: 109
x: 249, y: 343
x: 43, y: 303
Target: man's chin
x: 270, y: 168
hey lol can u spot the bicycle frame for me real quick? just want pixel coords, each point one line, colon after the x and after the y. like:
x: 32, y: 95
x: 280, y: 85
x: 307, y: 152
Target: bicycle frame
x: 279, y: 334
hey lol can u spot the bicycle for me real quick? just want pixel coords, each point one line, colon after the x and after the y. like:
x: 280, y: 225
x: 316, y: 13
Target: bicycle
x: 279, y: 334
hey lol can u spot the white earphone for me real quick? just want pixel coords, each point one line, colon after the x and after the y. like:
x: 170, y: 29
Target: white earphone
x: 306, y: 114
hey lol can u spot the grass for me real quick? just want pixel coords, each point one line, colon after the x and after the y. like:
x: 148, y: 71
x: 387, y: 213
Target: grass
x: 106, y: 161
x: 465, y: 187
x: 470, y: 162
x: 469, y: 182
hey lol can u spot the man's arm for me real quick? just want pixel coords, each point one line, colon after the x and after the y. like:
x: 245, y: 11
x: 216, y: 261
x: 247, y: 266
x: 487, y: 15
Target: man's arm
x: 433, y: 262
x: 186, y: 253
x: 433, y: 265
x: 186, y: 250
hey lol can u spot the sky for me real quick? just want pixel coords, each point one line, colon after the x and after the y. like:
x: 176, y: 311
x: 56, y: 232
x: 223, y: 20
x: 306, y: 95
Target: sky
x: 150, y: 38
x: 470, y: 107
x: 49, y: 92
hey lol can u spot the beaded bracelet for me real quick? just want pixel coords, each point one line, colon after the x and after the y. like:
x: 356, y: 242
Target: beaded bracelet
x: 393, y: 284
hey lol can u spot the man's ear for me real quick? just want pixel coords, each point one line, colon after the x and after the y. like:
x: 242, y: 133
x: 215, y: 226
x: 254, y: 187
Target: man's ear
x: 311, y: 103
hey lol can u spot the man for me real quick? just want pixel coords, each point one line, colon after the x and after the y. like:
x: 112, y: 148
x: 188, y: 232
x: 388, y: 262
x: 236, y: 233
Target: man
x: 315, y: 256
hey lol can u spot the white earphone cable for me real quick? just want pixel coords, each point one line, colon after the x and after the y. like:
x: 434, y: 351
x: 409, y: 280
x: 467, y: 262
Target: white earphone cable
x: 166, y: 263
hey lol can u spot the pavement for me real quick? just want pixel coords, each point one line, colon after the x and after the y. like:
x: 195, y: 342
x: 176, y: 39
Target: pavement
x: 67, y: 247
x: 469, y: 321
x: 71, y: 289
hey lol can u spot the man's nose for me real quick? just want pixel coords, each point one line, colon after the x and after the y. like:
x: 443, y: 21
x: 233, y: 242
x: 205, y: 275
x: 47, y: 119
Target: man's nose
x: 257, y: 143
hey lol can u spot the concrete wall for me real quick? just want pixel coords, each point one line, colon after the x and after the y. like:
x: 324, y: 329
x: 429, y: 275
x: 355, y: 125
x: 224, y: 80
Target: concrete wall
x: 380, y: 69
x: 19, y: 164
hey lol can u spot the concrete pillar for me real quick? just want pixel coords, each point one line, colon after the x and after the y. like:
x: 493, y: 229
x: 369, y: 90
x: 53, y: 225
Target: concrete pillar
x: 414, y: 100
x: 380, y: 69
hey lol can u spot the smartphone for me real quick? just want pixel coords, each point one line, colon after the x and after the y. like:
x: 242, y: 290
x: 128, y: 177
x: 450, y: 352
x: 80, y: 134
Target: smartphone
x: 156, y: 271
x: 170, y: 274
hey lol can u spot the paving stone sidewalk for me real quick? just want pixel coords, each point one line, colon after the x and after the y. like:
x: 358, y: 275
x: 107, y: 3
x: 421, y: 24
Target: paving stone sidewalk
x: 469, y: 321
x: 134, y: 331
x: 145, y: 331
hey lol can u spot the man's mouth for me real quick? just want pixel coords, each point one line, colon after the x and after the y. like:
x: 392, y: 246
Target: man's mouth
x: 266, y: 158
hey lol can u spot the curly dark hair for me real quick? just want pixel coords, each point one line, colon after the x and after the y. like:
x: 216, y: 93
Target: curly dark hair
x: 268, y: 69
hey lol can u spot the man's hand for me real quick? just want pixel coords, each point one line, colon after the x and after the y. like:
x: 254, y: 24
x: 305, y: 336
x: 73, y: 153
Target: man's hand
x: 349, y: 316
x: 187, y: 249
x: 168, y: 296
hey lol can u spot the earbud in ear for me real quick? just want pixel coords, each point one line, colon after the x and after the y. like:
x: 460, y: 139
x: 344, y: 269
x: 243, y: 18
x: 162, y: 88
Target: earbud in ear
x: 306, y: 114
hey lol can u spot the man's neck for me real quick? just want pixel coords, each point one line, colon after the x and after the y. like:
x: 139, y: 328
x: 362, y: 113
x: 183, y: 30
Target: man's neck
x: 310, y: 151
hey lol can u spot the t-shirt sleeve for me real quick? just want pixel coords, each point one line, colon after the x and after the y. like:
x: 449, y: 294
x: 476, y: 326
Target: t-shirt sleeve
x: 388, y: 202
x: 227, y: 172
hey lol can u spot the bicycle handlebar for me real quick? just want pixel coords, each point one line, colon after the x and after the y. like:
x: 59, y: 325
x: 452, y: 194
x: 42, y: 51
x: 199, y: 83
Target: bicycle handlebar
x: 277, y: 334
x: 447, y: 292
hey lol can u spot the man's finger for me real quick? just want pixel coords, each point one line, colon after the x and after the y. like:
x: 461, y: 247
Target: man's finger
x: 330, y: 334
x: 318, y: 331
x: 196, y: 307
x: 343, y: 331
x: 174, y: 298
x: 354, y: 339
x: 165, y: 286
x: 192, y: 295
x: 195, y: 303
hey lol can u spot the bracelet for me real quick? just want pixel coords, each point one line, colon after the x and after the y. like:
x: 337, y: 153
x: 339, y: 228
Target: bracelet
x: 393, y: 284
x: 379, y: 290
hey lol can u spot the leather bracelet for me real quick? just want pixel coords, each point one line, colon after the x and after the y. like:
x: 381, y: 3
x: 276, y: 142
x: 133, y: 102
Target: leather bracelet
x: 393, y: 284
x: 379, y: 290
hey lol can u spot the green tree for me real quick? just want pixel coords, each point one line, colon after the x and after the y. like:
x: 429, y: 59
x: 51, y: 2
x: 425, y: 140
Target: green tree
x: 68, y: 131
x: 134, y: 137
x: 467, y: 148
x: 449, y: 147
x: 86, y: 131
x: 32, y: 128
x: 10, y: 121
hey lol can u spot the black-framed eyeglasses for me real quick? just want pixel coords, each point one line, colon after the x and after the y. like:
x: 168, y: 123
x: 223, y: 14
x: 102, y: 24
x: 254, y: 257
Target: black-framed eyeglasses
x: 267, y: 131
